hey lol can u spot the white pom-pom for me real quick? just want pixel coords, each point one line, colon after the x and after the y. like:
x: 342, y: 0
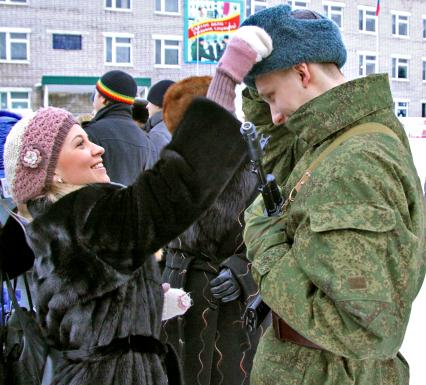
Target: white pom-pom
x: 176, y: 302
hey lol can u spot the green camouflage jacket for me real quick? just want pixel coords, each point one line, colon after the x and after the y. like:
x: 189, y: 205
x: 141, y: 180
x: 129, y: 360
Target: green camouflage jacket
x: 344, y: 263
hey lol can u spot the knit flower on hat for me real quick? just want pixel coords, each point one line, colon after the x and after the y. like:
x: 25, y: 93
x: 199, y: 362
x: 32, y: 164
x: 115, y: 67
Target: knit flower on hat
x: 31, y: 158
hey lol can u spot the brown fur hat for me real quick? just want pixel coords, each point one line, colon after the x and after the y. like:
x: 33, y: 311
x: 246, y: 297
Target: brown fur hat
x: 179, y: 96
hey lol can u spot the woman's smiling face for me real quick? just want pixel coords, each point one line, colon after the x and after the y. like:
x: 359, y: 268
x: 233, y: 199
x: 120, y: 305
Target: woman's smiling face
x: 80, y: 160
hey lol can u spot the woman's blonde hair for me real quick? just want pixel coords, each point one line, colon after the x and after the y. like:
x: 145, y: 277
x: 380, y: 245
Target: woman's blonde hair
x: 56, y: 191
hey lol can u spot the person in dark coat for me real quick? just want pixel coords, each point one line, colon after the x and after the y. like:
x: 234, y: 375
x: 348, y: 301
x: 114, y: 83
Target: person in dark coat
x: 98, y: 290
x: 155, y: 127
x: 210, y: 50
x: 199, y: 52
x: 7, y: 121
x: 12, y: 239
x: 208, y: 260
x: 140, y: 113
x: 128, y: 150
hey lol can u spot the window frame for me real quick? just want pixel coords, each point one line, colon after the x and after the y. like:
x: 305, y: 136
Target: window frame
x: 9, y: 91
x: 397, y: 14
x: 114, y: 7
x: 330, y: 4
x: 254, y: 3
x: 8, y: 31
x: 163, y: 11
x: 115, y: 35
x: 67, y: 34
x: 403, y: 57
x: 163, y: 38
x: 64, y: 32
x: 366, y: 9
x: 307, y: 2
x: 364, y: 54
x: 401, y: 100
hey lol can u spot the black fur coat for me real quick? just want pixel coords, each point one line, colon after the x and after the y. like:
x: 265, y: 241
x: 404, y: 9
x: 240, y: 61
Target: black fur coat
x: 211, y: 339
x: 95, y: 277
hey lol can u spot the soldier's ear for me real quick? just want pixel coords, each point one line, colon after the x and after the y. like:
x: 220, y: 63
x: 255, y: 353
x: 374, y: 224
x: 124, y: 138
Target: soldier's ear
x: 304, y: 73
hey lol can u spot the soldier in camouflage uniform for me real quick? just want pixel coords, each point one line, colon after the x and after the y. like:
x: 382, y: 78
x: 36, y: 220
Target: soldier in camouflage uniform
x: 342, y: 265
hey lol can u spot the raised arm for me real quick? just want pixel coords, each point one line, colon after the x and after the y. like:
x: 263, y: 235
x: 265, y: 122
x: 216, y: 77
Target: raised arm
x: 205, y: 151
x: 249, y: 45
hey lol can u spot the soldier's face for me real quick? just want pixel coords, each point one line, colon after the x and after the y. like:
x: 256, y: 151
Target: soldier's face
x: 284, y: 91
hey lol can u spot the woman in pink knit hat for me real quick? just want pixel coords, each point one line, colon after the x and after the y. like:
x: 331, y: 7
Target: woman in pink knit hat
x: 97, y: 285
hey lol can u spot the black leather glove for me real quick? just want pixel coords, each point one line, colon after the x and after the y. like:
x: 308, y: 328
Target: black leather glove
x: 225, y: 287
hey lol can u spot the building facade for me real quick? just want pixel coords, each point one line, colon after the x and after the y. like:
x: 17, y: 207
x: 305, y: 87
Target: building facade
x: 53, y: 51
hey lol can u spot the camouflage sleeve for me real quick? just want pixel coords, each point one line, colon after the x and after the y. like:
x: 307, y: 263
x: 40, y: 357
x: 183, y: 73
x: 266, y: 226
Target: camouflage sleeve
x: 345, y: 282
x: 265, y: 239
x: 284, y: 148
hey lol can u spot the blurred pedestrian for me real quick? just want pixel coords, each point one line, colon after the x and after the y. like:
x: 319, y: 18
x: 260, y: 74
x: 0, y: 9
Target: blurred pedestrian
x: 140, y: 113
x: 128, y: 150
x: 155, y: 126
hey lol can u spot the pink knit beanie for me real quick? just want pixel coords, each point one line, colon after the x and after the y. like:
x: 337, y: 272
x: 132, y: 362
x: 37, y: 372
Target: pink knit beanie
x: 32, y: 149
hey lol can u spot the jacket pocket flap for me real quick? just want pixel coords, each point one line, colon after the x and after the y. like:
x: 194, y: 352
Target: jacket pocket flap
x: 360, y: 216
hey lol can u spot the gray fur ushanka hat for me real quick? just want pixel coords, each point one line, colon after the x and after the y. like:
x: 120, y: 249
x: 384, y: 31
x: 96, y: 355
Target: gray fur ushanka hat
x: 296, y: 40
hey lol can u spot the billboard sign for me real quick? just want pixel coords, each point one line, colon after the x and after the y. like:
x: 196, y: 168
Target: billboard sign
x: 209, y: 24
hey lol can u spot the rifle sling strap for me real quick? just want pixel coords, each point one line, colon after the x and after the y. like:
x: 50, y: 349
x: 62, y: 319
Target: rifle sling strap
x: 366, y: 128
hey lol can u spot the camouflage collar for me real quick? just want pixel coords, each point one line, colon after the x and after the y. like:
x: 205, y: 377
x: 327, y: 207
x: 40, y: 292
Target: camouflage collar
x: 340, y: 107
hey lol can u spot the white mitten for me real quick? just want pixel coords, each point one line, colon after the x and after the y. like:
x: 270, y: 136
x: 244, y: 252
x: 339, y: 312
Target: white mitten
x: 176, y: 302
x: 257, y: 38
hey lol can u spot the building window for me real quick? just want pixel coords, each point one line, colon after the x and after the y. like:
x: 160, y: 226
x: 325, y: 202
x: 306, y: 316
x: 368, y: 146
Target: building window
x: 14, y: 46
x: 367, y: 63
x: 401, y: 108
x: 167, y: 6
x: 167, y: 50
x: 118, y: 5
x: 13, y: 1
x: 424, y: 27
x: 118, y: 49
x: 423, y: 109
x: 254, y: 6
x: 334, y: 11
x: 400, y: 24
x: 367, y: 20
x: 66, y: 42
x: 399, y: 68
x: 15, y: 99
x: 295, y: 4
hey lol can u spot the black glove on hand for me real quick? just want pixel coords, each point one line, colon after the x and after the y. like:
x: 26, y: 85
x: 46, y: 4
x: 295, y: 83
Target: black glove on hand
x: 225, y: 287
